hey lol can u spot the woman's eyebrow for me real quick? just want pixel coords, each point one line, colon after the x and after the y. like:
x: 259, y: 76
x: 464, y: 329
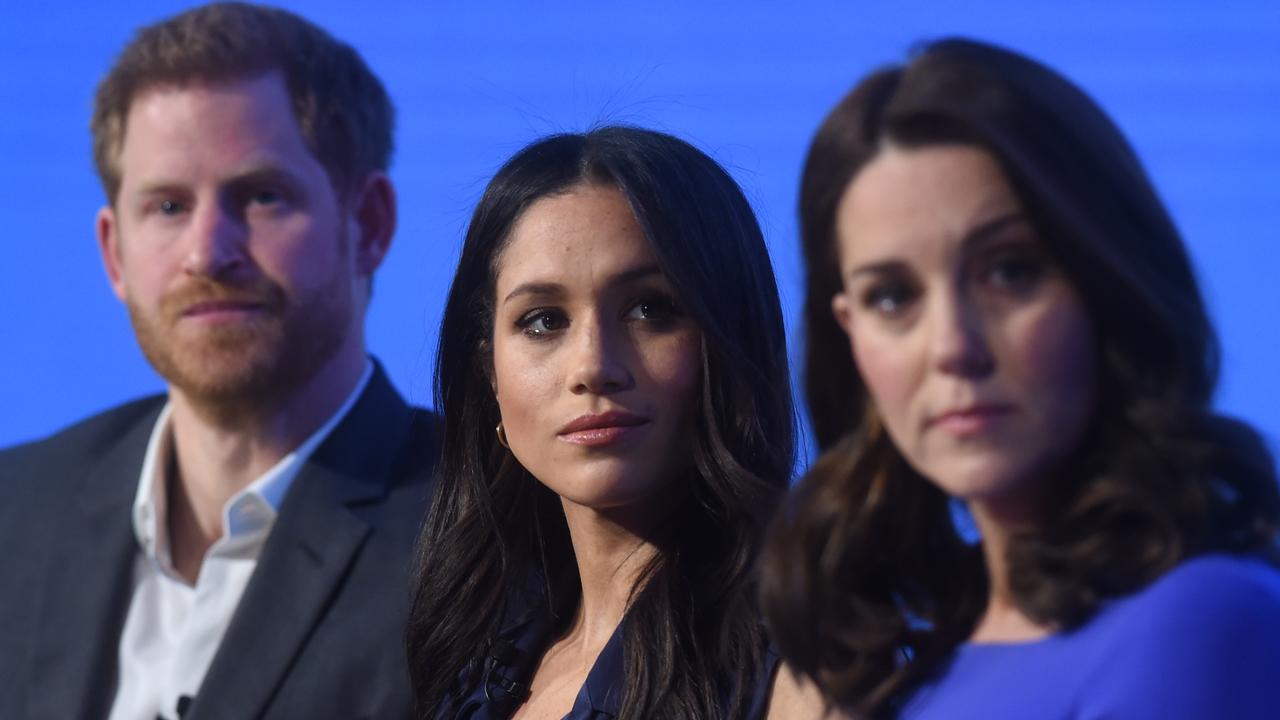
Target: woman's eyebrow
x: 540, y: 289
x: 552, y: 289
x: 985, y: 231
x: 977, y: 236
x: 875, y: 268
x: 631, y: 275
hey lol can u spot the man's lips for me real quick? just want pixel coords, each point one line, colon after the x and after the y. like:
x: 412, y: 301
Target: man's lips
x: 597, y: 429
x: 213, y: 309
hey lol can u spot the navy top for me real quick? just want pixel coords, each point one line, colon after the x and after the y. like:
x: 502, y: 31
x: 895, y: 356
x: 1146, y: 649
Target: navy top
x: 1202, y: 641
x: 497, y: 683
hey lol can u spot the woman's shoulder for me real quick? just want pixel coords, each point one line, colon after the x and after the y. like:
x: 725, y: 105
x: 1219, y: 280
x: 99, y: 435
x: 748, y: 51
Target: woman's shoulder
x: 1200, y: 604
x: 1203, y: 640
x: 1210, y: 589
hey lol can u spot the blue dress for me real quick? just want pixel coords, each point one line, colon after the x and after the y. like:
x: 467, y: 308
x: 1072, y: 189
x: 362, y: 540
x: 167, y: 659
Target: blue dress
x: 500, y: 678
x: 1202, y: 641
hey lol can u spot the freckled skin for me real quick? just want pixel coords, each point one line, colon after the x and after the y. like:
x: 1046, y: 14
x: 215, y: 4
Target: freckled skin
x: 594, y: 346
x: 964, y: 306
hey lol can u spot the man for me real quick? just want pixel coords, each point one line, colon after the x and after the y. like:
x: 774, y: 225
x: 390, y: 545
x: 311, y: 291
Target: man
x: 238, y: 548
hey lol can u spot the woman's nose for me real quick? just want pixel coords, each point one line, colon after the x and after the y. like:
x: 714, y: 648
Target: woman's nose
x: 599, y: 360
x: 958, y: 342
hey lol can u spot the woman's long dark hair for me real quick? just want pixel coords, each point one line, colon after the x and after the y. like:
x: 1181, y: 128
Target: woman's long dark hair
x: 693, y: 640
x: 866, y: 584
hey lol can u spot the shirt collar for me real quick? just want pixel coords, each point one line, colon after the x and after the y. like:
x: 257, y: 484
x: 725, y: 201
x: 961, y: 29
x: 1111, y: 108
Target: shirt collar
x: 250, y: 513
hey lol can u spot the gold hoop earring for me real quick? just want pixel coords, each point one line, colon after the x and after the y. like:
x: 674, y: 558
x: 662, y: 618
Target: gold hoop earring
x: 502, y: 435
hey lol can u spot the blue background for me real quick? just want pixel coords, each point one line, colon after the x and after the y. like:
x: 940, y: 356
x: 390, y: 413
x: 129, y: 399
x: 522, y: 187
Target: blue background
x: 1195, y: 85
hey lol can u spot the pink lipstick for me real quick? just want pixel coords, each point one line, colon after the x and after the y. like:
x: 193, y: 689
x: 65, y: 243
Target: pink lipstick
x: 602, y: 429
x: 970, y: 420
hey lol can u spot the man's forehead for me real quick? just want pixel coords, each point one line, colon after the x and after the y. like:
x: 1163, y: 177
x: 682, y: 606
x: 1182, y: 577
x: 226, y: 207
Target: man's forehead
x: 253, y: 110
x: 266, y: 86
x: 213, y: 131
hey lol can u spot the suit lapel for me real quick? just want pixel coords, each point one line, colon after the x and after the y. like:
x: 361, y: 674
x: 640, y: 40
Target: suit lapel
x: 314, y: 541
x: 87, y: 588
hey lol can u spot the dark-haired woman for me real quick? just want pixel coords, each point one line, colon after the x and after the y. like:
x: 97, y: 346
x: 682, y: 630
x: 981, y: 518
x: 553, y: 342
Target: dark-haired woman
x: 1001, y: 317
x: 617, y: 426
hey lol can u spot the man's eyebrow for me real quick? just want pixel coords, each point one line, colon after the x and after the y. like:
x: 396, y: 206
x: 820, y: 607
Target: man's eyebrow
x: 160, y: 186
x: 253, y: 173
x: 262, y: 172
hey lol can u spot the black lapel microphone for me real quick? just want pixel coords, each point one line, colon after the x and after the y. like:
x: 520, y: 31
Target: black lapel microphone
x: 502, y: 654
x: 184, y: 704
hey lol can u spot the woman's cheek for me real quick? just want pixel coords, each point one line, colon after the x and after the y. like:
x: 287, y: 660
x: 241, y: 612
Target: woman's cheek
x: 1056, y: 368
x: 523, y: 387
x: 886, y: 371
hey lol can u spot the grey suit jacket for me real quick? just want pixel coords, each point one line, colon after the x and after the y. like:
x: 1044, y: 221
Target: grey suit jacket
x: 319, y: 630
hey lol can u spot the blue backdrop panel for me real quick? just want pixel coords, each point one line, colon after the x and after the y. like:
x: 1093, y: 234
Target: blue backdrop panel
x: 1195, y: 86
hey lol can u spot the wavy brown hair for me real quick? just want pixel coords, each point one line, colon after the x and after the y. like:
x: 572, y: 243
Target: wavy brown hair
x: 867, y: 584
x: 694, y: 643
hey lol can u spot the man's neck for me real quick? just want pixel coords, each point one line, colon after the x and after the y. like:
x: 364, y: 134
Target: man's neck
x: 216, y: 454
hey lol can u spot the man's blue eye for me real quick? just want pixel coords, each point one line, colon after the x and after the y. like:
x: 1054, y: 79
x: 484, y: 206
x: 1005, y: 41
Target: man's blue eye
x: 266, y: 197
x: 169, y: 207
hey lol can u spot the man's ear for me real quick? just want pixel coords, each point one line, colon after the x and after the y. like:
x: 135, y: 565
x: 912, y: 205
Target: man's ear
x: 373, y: 211
x: 108, y: 232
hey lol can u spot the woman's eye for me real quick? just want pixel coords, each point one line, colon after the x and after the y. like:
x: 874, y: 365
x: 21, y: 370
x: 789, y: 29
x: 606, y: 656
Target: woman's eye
x: 888, y: 298
x: 542, y: 322
x: 1015, y: 273
x: 656, y: 310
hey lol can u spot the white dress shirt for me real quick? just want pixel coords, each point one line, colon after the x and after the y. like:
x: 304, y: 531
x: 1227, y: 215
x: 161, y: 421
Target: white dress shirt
x: 173, y: 629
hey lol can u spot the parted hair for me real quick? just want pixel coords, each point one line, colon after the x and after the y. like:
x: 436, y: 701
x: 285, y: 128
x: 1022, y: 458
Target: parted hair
x: 693, y: 638
x: 866, y: 582
x: 342, y: 108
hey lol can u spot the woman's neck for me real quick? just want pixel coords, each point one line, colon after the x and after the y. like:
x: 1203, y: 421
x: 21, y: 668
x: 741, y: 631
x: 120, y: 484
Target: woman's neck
x: 1002, y: 621
x: 612, y: 554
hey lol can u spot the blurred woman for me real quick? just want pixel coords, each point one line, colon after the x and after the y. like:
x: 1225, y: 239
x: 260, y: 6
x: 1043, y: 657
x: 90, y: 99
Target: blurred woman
x: 1004, y: 329
x: 613, y: 378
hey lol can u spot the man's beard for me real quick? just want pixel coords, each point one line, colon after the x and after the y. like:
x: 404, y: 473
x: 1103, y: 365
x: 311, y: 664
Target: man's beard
x: 231, y: 369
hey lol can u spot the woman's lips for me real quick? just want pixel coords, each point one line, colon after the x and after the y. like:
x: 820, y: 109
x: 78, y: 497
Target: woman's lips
x: 600, y: 429
x: 972, y: 420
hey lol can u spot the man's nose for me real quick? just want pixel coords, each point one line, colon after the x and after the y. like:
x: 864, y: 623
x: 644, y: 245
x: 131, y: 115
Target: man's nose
x: 216, y: 242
